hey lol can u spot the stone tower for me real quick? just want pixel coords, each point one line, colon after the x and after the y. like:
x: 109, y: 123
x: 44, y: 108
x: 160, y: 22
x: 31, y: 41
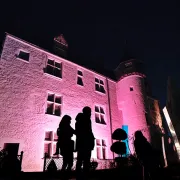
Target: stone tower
x: 131, y: 97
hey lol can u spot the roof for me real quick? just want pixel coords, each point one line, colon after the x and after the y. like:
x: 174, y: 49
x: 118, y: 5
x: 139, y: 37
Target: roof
x: 97, y: 69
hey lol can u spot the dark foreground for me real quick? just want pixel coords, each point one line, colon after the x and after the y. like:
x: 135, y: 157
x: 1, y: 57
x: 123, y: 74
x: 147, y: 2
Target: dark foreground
x: 128, y: 173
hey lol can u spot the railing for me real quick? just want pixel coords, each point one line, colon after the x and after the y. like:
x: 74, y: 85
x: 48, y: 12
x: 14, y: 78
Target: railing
x: 101, y: 164
x: 20, y: 157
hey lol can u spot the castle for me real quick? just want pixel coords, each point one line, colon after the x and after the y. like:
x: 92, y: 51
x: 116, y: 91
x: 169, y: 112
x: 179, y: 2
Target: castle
x: 38, y: 87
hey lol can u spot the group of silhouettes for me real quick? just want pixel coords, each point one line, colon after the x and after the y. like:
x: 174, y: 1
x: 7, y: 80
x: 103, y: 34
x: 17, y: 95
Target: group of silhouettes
x: 85, y: 144
x: 84, y: 141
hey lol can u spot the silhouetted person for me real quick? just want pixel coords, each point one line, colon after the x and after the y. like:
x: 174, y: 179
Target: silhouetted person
x: 145, y: 153
x: 84, y: 139
x: 66, y: 144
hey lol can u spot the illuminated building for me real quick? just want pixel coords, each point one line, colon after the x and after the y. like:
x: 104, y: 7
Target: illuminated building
x: 37, y: 88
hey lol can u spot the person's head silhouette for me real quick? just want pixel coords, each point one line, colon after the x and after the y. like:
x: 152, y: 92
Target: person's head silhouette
x: 65, y: 121
x: 139, y: 136
x: 87, y: 111
x: 79, y: 116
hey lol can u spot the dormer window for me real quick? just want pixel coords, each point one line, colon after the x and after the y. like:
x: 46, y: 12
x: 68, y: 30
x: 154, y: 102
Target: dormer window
x: 23, y: 55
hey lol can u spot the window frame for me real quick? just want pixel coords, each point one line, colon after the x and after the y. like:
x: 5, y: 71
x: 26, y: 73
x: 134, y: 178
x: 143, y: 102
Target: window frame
x: 54, y: 67
x: 52, y: 142
x: 81, y: 77
x: 24, y: 51
x: 100, y: 114
x: 102, y: 148
x: 100, y: 83
x: 54, y: 103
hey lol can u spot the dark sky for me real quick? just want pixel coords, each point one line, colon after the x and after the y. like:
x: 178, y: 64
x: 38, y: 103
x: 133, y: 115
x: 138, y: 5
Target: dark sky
x: 96, y: 29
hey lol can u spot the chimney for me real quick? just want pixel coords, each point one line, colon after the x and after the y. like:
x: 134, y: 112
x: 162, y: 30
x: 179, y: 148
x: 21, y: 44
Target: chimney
x: 60, y: 46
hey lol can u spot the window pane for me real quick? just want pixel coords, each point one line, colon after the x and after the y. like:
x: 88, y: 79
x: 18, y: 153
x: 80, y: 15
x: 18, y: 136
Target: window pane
x: 98, y: 153
x: 57, y: 110
x: 97, y: 87
x: 98, y: 142
x: 47, y: 149
x: 58, y: 65
x: 49, y: 69
x: 49, y: 108
x: 54, y: 148
x: 51, y: 62
x: 97, y: 80
x: 96, y: 109
x: 80, y: 81
x: 51, y: 97
x: 102, y: 89
x: 102, y: 120
x: 104, y: 153
x: 103, y: 142
x: 97, y: 118
x: 80, y: 73
x: 55, y: 137
x: 58, y: 99
x: 48, y: 135
x: 23, y: 55
x: 57, y: 72
x: 101, y: 82
x: 101, y: 110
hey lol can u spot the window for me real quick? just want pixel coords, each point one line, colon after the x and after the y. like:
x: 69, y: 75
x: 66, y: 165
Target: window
x: 23, y: 55
x: 47, y: 149
x: 54, y: 68
x: 99, y: 115
x: 54, y: 103
x: 48, y: 135
x: 99, y: 85
x: 80, y: 78
x: 50, y: 141
x: 131, y: 88
x: 101, y: 149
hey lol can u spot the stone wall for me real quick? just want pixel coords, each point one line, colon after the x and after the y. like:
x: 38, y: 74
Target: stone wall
x: 23, y: 99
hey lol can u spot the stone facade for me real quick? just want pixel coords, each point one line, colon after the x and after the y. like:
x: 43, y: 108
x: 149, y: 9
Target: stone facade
x: 33, y: 101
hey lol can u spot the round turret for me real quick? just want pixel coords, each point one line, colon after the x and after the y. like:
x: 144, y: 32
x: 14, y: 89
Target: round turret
x: 131, y: 97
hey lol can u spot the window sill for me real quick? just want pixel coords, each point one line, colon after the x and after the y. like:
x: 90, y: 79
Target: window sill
x: 78, y: 85
x: 99, y: 92
x: 22, y: 60
x: 103, y: 125
x: 52, y: 115
x: 55, y: 77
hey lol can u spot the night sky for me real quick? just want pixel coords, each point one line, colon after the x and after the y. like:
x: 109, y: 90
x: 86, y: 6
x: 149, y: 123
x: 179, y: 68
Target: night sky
x: 99, y: 31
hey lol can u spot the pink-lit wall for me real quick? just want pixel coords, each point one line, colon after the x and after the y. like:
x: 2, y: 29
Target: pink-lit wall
x: 116, y: 115
x: 133, y: 105
x: 23, y: 99
x: 23, y: 93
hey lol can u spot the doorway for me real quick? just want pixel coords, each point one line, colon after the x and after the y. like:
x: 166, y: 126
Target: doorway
x: 12, y: 148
